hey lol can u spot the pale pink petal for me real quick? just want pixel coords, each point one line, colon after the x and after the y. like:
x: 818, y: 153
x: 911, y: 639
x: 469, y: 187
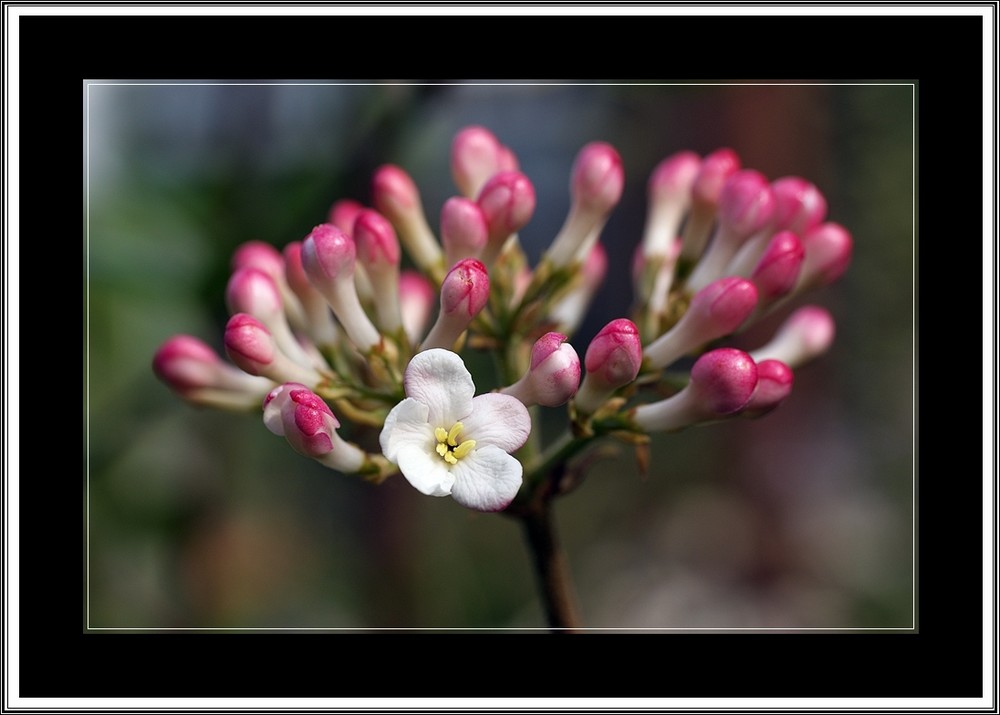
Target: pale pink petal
x: 486, y: 479
x: 498, y: 420
x: 438, y: 379
x: 425, y: 470
x: 406, y: 424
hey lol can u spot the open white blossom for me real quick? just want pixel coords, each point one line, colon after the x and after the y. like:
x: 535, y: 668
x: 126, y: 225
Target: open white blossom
x: 446, y: 441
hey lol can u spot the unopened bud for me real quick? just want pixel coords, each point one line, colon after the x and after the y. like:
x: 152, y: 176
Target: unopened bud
x: 722, y: 384
x: 464, y: 231
x: 507, y: 201
x: 715, y: 311
x: 328, y: 256
x: 715, y: 169
x: 396, y: 197
x: 464, y: 292
x: 828, y: 249
x: 475, y: 157
x: 805, y: 335
x: 378, y: 253
x: 554, y: 375
x: 774, y: 384
x: 613, y: 360
x: 251, y: 347
x: 292, y: 410
x: 194, y: 371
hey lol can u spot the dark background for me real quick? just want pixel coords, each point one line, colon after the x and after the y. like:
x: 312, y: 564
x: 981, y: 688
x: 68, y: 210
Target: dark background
x: 802, y: 520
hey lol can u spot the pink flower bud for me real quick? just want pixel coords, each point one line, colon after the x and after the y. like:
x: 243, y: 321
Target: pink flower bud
x: 253, y: 292
x: 464, y: 231
x: 805, y: 335
x: 292, y: 410
x: 715, y: 169
x: 375, y: 239
x: 569, y: 311
x: 250, y: 345
x: 778, y: 269
x: 507, y: 160
x: 507, y: 201
x: 746, y: 206
x: 395, y: 196
x: 669, y: 192
x: 798, y: 204
x: 475, y: 157
x: 318, y: 318
x: 596, y: 186
x: 328, y: 256
x: 343, y: 213
x: 464, y: 292
x: 715, y: 311
x: 722, y: 384
x: 774, y: 384
x: 417, y: 298
x: 613, y: 359
x: 554, y: 374
x: 265, y: 257
x: 193, y: 370
x: 828, y: 249
x: 378, y: 251
x: 598, y: 178
x: 746, y: 203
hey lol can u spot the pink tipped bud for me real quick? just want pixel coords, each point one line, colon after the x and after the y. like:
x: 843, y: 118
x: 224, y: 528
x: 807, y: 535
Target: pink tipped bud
x: 464, y: 293
x: 328, y: 256
x: 569, y: 311
x: 343, y: 213
x: 507, y: 160
x: 774, y: 384
x: 292, y: 410
x: 193, y: 370
x: 798, y: 204
x: 716, y: 168
x: 596, y: 186
x: 507, y: 201
x: 464, y: 230
x: 250, y: 345
x: 805, y: 335
x: 746, y: 204
x: 260, y: 255
x: 376, y: 240
x: 828, y: 250
x: 778, y: 269
x: 722, y: 384
x: 613, y: 359
x: 715, y: 311
x: 669, y: 192
x: 554, y: 374
x: 378, y: 251
x: 475, y: 157
x: 318, y: 318
x: 253, y: 292
x: 396, y: 197
x: 416, y: 298
x: 265, y: 257
x: 598, y: 178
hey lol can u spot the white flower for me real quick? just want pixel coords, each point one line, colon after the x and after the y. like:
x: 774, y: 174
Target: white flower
x: 448, y: 442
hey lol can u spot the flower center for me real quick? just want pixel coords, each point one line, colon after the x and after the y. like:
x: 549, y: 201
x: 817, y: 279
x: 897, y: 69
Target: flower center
x: 449, y: 446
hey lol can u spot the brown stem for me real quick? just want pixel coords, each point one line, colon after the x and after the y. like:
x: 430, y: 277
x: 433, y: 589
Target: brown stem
x: 551, y: 567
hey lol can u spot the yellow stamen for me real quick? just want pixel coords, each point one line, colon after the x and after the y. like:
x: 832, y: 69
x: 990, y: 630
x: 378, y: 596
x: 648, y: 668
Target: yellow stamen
x: 463, y: 449
x: 448, y: 447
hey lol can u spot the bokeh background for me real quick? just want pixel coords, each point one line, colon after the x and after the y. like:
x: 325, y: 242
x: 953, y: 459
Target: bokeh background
x: 200, y: 519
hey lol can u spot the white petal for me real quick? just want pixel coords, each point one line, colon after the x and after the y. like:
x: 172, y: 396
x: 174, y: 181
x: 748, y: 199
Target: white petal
x: 425, y: 470
x: 499, y: 420
x: 486, y: 479
x: 438, y: 379
x: 406, y: 424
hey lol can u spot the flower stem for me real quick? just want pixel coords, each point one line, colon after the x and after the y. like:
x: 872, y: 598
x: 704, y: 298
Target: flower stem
x: 551, y: 567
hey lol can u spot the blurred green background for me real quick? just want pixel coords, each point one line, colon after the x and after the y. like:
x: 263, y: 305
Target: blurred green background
x: 199, y: 519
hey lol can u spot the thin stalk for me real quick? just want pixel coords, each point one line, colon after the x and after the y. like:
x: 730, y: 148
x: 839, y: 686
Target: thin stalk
x: 552, y: 569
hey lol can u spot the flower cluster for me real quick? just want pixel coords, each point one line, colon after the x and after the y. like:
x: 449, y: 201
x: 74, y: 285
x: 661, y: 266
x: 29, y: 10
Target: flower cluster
x: 366, y: 318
